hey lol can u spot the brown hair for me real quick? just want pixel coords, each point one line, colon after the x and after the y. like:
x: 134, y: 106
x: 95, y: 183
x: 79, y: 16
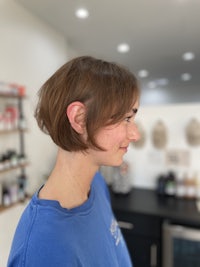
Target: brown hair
x: 107, y: 89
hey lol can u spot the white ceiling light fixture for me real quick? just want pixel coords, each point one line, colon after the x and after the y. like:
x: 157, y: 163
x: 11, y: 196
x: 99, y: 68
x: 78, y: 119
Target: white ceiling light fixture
x: 123, y: 48
x: 82, y: 13
x: 143, y: 73
x: 188, y: 56
x: 186, y: 77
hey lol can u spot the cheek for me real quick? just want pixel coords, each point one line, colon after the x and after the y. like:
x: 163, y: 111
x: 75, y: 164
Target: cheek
x: 111, y: 138
x: 104, y: 139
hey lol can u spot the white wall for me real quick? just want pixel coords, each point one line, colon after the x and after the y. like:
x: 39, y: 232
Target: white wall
x: 30, y: 51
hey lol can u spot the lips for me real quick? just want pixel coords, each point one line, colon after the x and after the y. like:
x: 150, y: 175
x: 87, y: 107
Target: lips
x: 125, y: 148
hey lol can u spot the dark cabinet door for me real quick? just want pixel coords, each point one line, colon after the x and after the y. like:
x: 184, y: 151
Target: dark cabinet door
x: 144, y: 251
x: 142, y: 234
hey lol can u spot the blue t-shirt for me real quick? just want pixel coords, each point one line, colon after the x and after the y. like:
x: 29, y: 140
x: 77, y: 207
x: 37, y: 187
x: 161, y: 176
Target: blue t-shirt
x: 51, y: 236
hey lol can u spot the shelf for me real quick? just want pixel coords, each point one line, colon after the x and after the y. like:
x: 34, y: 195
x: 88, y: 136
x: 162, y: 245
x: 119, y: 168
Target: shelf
x: 14, y: 168
x: 4, y: 208
x: 11, y: 96
x: 12, y: 131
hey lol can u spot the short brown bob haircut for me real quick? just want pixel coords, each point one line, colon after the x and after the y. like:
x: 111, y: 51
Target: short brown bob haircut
x: 108, y: 91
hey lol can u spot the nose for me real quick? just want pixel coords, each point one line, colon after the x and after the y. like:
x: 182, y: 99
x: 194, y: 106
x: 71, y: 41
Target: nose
x: 133, y: 133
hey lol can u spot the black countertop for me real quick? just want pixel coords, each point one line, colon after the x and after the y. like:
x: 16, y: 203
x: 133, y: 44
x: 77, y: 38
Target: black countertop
x: 147, y: 202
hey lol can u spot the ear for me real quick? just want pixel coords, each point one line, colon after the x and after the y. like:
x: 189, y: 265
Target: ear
x: 76, y: 114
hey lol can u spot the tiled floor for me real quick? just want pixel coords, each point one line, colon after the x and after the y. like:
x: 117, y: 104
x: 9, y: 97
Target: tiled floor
x: 8, y: 222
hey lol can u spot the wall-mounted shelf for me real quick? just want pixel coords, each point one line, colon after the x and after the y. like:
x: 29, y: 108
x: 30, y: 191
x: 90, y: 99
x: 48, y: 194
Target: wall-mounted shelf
x: 4, y: 208
x: 5, y: 95
x: 15, y: 130
x: 19, y: 166
x: 18, y: 127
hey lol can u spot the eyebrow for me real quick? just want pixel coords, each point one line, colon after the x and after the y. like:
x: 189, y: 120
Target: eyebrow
x: 135, y: 110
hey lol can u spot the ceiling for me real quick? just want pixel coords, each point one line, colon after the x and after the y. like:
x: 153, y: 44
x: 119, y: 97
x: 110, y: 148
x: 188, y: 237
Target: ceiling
x: 157, y: 31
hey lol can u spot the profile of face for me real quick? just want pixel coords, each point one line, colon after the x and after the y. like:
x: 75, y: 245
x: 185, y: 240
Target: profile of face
x: 115, y: 140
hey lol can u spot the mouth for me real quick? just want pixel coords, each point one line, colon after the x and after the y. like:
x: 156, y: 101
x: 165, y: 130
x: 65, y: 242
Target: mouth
x: 124, y: 148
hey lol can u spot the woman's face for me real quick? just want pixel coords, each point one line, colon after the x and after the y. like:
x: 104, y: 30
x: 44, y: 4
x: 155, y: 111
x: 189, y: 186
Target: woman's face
x: 115, y: 139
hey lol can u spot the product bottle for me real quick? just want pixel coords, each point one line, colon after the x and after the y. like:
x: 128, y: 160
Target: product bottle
x: 6, y: 196
x: 180, y: 186
x: 161, y: 183
x: 13, y: 190
x: 22, y: 187
x: 190, y: 187
x: 197, y: 182
x: 170, y: 187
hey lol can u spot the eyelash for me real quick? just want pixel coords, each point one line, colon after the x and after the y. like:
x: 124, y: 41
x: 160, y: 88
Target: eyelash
x: 128, y: 118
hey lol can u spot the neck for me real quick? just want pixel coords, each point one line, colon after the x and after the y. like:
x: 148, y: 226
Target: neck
x: 70, y: 180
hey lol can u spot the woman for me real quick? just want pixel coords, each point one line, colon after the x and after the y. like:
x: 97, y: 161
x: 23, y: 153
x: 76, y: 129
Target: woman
x: 88, y: 108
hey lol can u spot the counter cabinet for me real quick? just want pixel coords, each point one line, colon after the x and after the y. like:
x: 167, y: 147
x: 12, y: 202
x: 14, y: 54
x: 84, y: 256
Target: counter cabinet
x: 142, y: 234
x: 141, y: 215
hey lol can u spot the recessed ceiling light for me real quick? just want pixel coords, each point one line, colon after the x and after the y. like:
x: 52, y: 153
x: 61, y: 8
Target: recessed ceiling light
x: 186, y: 77
x: 123, y: 48
x: 82, y: 13
x: 188, y: 56
x: 143, y: 73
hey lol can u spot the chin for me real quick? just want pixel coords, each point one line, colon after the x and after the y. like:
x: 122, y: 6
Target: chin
x: 115, y: 163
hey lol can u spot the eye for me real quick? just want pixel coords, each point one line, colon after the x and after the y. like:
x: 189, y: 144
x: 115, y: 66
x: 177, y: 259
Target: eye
x: 128, y: 119
x: 131, y: 116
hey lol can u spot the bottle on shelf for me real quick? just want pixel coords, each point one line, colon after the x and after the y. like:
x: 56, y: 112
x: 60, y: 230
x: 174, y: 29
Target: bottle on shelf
x: 161, y: 183
x: 197, y: 178
x: 170, y: 185
x: 14, y: 192
x: 6, y: 201
x: 190, y: 184
x: 5, y: 161
x: 21, y: 90
x: 22, y: 186
x: 180, y: 186
x: 13, y: 158
x: 22, y: 159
